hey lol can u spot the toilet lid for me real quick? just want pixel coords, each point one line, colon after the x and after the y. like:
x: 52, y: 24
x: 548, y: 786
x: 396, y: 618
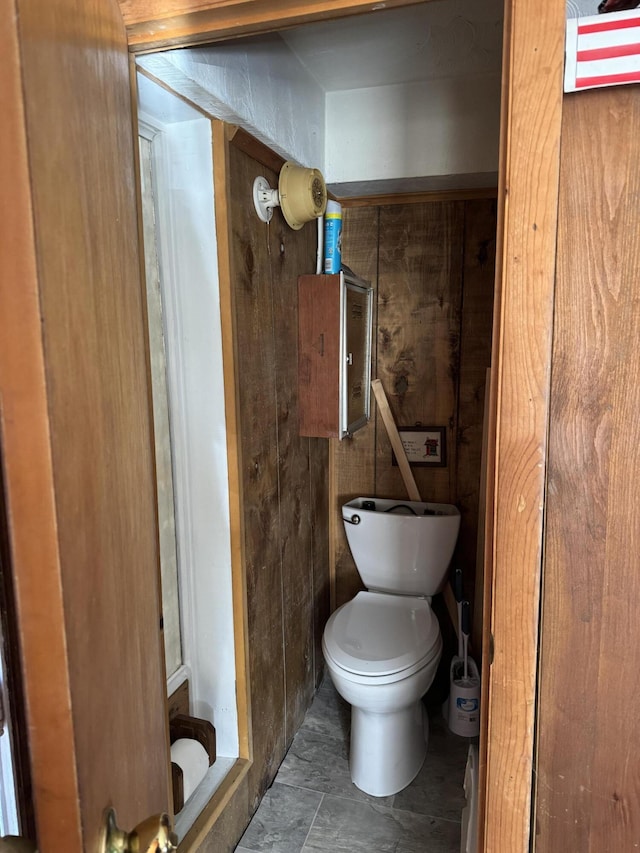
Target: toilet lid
x: 377, y: 634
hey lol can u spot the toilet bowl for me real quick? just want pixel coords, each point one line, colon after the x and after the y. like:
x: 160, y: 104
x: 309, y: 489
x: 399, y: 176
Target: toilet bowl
x: 382, y: 652
x: 383, y: 647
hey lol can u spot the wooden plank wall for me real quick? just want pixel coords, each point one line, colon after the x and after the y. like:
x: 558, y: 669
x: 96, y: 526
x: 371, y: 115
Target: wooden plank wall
x: 587, y: 782
x: 476, y: 321
x: 432, y: 265
x: 353, y: 460
x: 284, y: 485
x: 418, y: 333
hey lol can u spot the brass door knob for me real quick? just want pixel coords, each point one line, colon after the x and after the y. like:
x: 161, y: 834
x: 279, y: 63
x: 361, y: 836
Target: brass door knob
x: 153, y: 835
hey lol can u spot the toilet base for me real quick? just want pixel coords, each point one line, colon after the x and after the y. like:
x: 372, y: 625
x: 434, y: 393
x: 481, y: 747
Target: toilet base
x: 387, y: 750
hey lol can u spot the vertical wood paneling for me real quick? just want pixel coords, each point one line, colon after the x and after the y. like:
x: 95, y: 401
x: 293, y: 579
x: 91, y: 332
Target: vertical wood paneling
x: 422, y: 320
x: 475, y: 356
x: 282, y: 532
x: 587, y: 781
x: 319, y: 506
x: 418, y: 334
x: 251, y: 274
x: 291, y: 254
x: 353, y: 460
x: 284, y: 476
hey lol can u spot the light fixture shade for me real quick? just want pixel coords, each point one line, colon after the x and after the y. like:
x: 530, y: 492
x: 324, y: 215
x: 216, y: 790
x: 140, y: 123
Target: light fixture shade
x: 303, y: 194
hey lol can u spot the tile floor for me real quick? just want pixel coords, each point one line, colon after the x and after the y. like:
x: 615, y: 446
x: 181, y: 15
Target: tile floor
x: 313, y: 805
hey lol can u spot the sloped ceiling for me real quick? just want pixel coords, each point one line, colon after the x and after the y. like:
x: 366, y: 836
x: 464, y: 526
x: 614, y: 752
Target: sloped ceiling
x: 423, y: 81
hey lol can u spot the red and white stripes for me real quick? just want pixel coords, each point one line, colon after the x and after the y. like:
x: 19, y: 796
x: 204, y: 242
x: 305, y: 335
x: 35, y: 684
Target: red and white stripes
x: 602, y: 50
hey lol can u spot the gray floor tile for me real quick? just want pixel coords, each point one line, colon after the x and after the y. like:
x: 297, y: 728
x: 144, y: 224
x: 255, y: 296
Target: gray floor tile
x: 313, y: 797
x: 326, y: 683
x: 343, y: 826
x: 282, y: 821
x: 329, y: 716
x: 438, y: 789
x: 322, y: 764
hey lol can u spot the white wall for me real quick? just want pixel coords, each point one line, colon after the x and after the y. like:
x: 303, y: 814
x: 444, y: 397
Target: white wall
x: 189, y: 269
x: 441, y: 127
x: 260, y: 86
x: 444, y: 126
x: 581, y: 8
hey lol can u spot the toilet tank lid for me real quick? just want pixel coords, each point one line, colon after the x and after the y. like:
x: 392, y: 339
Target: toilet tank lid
x: 379, y: 634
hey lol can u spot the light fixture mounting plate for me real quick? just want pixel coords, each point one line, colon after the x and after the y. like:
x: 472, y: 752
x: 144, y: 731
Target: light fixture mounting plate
x: 264, y: 198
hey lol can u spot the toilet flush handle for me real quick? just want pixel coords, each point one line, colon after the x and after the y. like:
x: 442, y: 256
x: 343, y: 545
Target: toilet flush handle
x: 355, y: 519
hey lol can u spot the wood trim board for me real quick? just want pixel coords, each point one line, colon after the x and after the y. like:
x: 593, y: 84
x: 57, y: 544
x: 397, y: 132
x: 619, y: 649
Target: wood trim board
x: 392, y: 431
x: 234, y: 451
x: 478, y: 599
x: 243, y: 140
x: 417, y: 198
x: 221, y: 134
x: 486, y: 651
x: 181, y: 23
x: 519, y: 416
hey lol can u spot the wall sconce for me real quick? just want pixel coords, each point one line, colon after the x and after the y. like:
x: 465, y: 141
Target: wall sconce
x: 301, y: 194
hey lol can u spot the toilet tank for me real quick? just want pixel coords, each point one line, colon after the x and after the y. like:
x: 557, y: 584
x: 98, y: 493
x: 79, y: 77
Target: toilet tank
x: 402, y: 547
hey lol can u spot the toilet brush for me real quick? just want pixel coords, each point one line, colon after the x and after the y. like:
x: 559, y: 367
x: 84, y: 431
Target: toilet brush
x: 458, y: 593
x: 455, y: 667
x: 466, y: 630
x: 464, y: 698
x: 456, y: 661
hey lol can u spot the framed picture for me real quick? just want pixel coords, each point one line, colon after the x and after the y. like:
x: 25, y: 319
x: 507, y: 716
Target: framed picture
x: 424, y: 445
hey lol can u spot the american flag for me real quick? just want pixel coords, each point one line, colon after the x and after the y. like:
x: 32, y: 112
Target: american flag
x: 602, y: 50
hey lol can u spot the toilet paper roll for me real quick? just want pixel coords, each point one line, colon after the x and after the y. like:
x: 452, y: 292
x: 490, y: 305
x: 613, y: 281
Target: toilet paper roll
x: 193, y: 760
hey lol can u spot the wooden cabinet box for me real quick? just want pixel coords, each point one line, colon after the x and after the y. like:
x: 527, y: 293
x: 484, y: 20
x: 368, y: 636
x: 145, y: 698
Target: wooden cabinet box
x: 334, y: 354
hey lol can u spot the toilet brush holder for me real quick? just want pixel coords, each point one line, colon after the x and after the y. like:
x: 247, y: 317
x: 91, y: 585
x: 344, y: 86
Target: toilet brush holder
x: 464, y: 700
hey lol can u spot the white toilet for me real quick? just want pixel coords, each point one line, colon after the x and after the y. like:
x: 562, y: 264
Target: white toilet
x: 383, y: 647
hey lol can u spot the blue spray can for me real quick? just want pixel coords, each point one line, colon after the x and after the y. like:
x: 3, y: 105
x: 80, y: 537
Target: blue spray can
x: 333, y: 237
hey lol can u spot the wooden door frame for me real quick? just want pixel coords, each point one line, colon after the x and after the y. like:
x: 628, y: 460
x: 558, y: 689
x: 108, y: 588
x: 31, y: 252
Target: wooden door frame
x: 533, y: 60
x: 185, y: 23
x: 523, y: 328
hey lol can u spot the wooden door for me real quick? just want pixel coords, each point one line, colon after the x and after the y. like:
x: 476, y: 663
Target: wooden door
x: 76, y: 428
x: 587, y: 781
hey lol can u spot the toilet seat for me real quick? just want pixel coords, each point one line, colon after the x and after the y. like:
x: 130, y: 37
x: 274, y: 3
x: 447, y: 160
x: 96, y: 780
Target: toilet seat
x: 381, y: 637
